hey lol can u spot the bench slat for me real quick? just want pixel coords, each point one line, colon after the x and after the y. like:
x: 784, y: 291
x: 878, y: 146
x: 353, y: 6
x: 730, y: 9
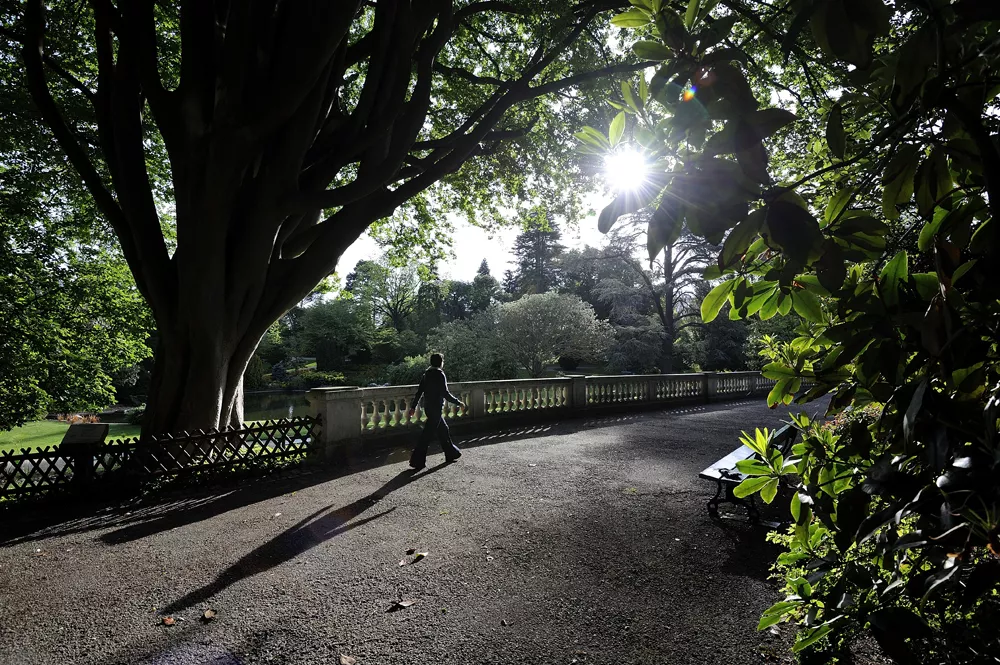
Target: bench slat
x: 782, y: 438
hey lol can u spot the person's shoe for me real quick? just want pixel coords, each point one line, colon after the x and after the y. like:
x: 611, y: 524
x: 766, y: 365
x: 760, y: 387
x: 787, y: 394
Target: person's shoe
x: 416, y: 467
x: 453, y: 458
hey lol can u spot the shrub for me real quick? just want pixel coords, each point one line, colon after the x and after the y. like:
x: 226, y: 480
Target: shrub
x: 313, y: 379
x: 407, y: 372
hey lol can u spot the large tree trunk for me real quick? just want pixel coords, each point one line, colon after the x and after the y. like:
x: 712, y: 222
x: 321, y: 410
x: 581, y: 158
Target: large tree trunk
x: 666, y: 312
x: 197, y: 382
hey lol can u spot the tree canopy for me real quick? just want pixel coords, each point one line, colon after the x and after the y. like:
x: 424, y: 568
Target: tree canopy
x: 276, y: 133
x: 845, y: 154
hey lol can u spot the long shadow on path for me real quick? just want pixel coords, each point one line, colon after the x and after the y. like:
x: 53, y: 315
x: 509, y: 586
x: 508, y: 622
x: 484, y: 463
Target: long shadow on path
x: 309, y: 532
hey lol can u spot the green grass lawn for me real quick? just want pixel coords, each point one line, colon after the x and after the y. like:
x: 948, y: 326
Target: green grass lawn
x: 50, y: 432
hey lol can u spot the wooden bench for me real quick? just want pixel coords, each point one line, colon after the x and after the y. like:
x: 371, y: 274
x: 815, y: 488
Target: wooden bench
x: 726, y: 476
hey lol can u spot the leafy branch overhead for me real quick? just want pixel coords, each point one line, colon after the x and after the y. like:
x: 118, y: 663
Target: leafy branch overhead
x: 283, y: 131
x: 845, y: 155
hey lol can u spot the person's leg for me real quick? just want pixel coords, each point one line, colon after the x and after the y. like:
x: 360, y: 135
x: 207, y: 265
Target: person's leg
x: 419, y: 456
x: 451, y: 451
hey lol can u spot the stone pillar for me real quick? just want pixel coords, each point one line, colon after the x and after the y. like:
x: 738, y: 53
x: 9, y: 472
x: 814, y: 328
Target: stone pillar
x: 477, y: 402
x: 578, y: 393
x: 710, y: 386
x: 339, y: 410
x: 651, y: 383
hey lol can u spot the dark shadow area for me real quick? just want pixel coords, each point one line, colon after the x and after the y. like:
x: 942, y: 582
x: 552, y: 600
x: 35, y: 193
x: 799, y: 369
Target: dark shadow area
x: 309, y: 532
x: 179, y: 506
x: 751, y: 555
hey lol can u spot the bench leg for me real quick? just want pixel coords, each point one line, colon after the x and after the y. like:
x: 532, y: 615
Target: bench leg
x: 713, y: 503
x: 750, y: 505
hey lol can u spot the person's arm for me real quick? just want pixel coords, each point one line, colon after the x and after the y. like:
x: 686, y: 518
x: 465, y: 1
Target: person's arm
x: 416, y: 398
x: 447, y: 394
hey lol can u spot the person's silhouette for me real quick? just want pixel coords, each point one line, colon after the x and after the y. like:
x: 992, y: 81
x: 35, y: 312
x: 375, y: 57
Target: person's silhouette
x: 434, y: 389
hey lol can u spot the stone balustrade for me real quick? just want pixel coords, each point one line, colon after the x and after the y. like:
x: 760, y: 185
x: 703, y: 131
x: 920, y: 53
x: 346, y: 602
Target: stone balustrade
x: 353, y: 419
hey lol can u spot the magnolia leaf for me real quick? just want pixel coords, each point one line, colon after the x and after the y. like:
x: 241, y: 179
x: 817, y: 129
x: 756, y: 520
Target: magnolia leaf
x: 715, y: 299
x: 633, y: 18
x: 617, y: 129
x: 740, y: 237
x: 648, y: 50
x: 794, y: 231
x: 766, y: 122
x: 892, y: 274
x: 807, y: 306
x: 769, y: 491
x: 692, y: 13
x: 751, y: 486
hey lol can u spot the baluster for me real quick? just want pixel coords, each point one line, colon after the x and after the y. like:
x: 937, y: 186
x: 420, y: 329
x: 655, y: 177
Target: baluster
x: 365, y: 419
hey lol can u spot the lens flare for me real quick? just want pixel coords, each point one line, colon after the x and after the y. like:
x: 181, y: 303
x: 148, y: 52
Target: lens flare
x: 689, y: 93
x: 626, y: 170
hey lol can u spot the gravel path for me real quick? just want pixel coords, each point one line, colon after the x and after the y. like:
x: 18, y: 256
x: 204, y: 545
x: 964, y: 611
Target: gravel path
x: 582, y: 542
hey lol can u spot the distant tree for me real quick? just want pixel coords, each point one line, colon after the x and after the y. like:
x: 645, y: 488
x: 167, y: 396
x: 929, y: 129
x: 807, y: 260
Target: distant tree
x: 335, y: 332
x: 715, y: 346
x: 510, y: 285
x: 484, y: 269
x: 472, y: 349
x: 536, y: 250
x: 485, y: 292
x: 457, y: 303
x: 389, y: 291
x: 667, y: 282
x: 537, y: 329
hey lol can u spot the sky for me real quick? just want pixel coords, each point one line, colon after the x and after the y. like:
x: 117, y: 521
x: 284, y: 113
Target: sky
x: 472, y: 244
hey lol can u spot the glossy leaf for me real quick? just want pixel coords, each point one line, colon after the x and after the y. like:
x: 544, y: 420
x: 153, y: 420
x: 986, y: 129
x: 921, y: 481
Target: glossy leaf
x: 835, y: 136
x: 715, y: 299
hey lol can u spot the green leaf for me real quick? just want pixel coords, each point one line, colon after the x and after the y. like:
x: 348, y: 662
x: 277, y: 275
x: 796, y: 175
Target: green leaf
x: 633, y: 18
x: 961, y: 270
x: 751, y: 486
x: 930, y: 229
x: 643, y: 90
x: 899, y: 189
x: 769, y: 491
x: 794, y: 231
x: 837, y: 203
x: 807, y: 306
x: 777, y: 371
x: 752, y: 467
x: 617, y: 129
x: 892, y: 274
x: 766, y: 122
x: 629, y: 96
x: 715, y: 299
x: 739, y: 238
x: 835, y: 137
x: 691, y: 14
x: 648, y: 50
x: 811, y: 636
x: 927, y: 284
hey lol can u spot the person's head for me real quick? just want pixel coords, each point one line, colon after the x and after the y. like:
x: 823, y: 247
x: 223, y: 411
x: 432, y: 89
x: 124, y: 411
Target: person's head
x: 437, y: 360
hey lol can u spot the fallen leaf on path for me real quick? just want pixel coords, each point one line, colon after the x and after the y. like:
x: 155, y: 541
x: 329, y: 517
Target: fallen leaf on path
x: 347, y: 660
x: 208, y: 615
x: 410, y: 551
x: 400, y: 605
x: 277, y: 514
x: 420, y: 555
x: 444, y: 512
x: 532, y: 465
x: 168, y: 621
x: 402, y: 562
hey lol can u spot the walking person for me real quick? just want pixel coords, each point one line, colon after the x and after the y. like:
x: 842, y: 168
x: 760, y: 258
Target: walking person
x: 434, y: 389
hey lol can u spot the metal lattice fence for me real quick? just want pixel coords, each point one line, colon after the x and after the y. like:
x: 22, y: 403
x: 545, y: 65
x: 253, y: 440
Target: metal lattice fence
x: 257, y: 447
